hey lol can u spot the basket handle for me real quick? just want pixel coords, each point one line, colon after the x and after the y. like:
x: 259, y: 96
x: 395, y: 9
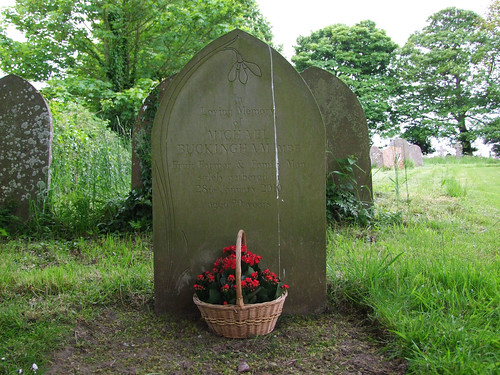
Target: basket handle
x: 240, y: 240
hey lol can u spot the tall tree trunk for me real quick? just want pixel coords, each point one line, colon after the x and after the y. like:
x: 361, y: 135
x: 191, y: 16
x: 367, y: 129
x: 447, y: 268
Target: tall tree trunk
x: 464, y: 137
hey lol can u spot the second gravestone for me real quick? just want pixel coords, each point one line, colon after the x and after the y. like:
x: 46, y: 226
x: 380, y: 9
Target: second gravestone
x: 346, y: 127
x: 25, y: 144
x: 239, y: 143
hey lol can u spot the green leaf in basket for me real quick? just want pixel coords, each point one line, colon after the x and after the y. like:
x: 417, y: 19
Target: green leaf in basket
x: 248, y: 272
x: 213, y: 296
x: 279, y: 291
x: 253, y: 296
x: 263, y: 295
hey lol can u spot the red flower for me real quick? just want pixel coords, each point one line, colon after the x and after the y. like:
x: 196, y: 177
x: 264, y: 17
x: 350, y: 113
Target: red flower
x: 198, y: 287
x: 255, y: 275
x: 200, y: 277
x: 225, y: 288
x: 230, y: 278
x: 229, y: 262
x: 284, y: 286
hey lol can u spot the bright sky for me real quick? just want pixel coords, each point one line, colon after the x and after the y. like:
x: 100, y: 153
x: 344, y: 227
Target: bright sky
x: 399, y: 18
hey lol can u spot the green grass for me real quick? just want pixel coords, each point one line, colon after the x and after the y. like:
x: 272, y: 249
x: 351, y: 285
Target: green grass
x: 433, y: 280
x: 45, y: 287
x: 427, y: 271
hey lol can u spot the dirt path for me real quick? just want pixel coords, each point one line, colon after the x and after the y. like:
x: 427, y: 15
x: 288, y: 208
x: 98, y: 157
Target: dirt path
x: 137, y: 342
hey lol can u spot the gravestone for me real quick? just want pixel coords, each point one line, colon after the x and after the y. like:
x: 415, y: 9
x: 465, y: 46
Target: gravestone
x: 346, y: 127
x: 376, y: 157
x: 416, y: 155
x: 403, y: 145
x: 141, y: 135
x: 239, y: 143
x: 25, y: 144
x: 392, y: 156
x: 458, y: 150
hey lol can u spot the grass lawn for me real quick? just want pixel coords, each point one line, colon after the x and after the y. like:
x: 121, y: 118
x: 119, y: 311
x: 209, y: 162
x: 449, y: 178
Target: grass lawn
x: 427, y: 272
x: 432, y: 280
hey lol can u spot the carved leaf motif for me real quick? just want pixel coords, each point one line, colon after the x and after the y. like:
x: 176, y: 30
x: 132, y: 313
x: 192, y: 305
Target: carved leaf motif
x: 243, y: 76
x: 254, y: 68
x: 232, y: 73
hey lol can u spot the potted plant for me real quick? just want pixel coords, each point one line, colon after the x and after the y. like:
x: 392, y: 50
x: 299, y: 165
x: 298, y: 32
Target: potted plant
x: 236, y: 298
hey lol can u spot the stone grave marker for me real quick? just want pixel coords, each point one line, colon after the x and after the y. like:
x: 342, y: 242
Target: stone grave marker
x: 376, y: 156
x: 403, y: 145
x: 458, y: 150
x: 141, y: 135
x: 393, y: 155
x: 25, y: 143
x: 416, y: 155
x: 239, y: 143
x: 346, y: 127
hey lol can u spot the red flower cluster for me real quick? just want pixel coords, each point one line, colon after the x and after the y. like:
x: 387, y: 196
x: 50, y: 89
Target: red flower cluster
x: 219, y: 285
x: 203, y: 280
x: 270, y: 276
x: 250, y: 258
x: 232, y: 249
x: 250, y: 283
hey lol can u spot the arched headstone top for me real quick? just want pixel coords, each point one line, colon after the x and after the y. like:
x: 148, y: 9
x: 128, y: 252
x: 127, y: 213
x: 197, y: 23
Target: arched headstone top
x: 25, y: 143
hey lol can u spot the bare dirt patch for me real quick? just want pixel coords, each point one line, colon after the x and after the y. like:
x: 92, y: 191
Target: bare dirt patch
x: 121, y: 341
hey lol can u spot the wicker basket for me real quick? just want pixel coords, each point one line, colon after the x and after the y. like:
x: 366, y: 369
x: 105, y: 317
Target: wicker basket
x: 240, y: 320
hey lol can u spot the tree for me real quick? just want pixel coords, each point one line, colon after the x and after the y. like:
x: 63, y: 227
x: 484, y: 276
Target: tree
x: 109, y: 47
x: 449, y: 91
x: 491, y: 25
x: 360, y: 56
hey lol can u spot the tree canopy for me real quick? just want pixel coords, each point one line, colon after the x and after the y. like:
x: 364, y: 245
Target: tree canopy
x: 359, y: 55
x: 491, y: 26
x: 450, y: 79
x: 111, y: 50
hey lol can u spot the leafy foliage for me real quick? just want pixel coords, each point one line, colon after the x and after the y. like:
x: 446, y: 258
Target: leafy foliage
x: 360, y: 56
x: 451, y: 84
x: 491, y: 135
x: 343, y: 203
x: 491, y: 26
x: 111, y: 46
x: 90, y: 166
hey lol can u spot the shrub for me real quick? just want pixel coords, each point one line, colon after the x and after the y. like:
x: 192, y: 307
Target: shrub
x: 343, y: 203
x: 90, y: 166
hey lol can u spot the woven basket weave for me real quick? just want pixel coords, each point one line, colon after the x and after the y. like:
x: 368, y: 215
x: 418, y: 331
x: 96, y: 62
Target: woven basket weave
x: 240, y: 320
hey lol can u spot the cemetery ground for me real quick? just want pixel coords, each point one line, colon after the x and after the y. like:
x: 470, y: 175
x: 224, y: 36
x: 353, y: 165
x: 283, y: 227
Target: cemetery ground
x: 417, y: 291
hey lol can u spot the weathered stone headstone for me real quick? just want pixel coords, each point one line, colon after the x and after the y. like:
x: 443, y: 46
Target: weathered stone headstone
x: 416, y: 155
x: 141, y: 135
x: 458, y: 150
x: 403, y: 145
x: 346, y: 127
x: 392, y: 156
x: 442, y: 151
x: 25, y: 143
x: 239, y: 143
x: 376, y: 157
